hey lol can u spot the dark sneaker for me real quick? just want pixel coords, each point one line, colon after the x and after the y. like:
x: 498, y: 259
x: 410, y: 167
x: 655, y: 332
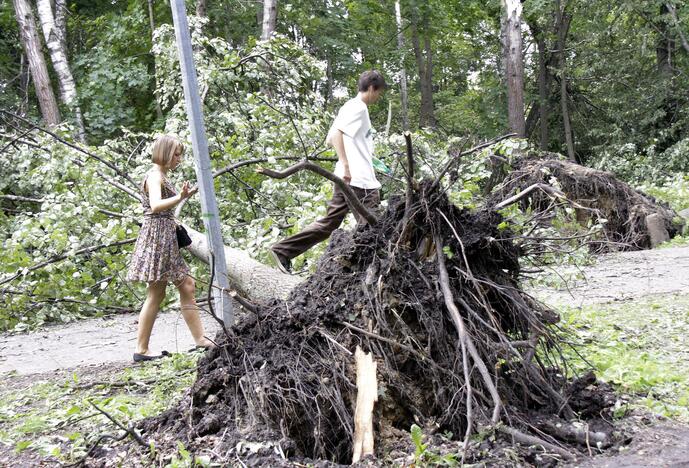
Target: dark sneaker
x: 284, y: 264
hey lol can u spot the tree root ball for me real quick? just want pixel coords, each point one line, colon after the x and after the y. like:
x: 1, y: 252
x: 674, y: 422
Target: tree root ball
x: 635, y: 220
x: 284, y: 383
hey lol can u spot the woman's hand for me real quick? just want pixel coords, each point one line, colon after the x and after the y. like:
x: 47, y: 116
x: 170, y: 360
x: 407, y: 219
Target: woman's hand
x: 187, y: 191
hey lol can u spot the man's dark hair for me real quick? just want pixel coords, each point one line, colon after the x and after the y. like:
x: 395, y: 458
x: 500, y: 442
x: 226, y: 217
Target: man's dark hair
x: 371, y: 78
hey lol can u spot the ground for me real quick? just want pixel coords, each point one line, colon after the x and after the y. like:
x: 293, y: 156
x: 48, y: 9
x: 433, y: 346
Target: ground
x: 628, y: 312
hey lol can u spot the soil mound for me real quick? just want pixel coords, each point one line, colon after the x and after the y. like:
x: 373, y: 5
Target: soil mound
x: 432, y: 292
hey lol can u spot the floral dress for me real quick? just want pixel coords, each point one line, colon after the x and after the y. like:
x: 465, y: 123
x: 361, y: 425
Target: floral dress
x: 156, y: 255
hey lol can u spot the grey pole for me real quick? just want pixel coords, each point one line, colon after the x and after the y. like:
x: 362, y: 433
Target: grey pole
x: 211, y: 219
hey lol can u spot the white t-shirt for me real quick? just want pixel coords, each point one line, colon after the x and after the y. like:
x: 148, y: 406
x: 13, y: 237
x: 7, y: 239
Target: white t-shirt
x: 354, y: 123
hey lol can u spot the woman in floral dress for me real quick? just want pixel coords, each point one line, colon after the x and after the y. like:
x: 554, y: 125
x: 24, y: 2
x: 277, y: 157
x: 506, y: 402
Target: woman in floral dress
x: 156, y: 258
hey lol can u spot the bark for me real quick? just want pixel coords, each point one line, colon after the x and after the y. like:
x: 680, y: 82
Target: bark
x: 39, y: 71
x: 269, y: 19
x: 563, y: 20
x: 673, y: 14
x: 24, y: 82
x: 151, y: 21
x: 201, y: 9
x: 403, y: 72
x: 329, y: 82
x: 61, y: 21
x: 424, y: 65
x: 665, y: 44
x: 543, y: 91
x: 58, y: 55
x: 515, y: 67
x: 253, y: 280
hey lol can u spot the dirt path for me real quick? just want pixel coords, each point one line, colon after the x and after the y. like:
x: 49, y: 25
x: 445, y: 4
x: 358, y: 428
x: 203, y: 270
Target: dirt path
x: 625, y: 276
x: 91, y: 342
x: 615, y: 277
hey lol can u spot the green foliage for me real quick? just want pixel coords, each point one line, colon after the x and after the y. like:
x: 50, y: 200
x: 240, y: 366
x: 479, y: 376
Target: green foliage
x: 638, y: 347
x: 56, y: 419
x: 672, y: 190
x: 425, y: 457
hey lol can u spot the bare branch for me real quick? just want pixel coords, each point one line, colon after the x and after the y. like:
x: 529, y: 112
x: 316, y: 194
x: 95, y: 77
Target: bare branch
x: 457, y: 159
x: 353, y: 200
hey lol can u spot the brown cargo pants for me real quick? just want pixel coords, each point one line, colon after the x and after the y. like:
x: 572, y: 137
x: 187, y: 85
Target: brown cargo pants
x: 321, y: 229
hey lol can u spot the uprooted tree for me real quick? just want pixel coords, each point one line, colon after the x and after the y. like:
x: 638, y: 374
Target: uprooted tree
x: 432, y: 291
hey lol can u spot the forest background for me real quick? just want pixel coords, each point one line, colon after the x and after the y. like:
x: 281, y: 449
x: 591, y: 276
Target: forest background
x: 604, y: 83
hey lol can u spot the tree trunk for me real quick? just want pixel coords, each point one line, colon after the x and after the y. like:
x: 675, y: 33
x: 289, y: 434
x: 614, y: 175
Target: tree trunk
x: 426, y: 114
x: 403, y: 72
x: 201, y: 9
x: 151, y: 21
x: 39, y: 72
x: 665, y: 44
x: 24, y: 82
x: 329, y: 80
x: 675, y: 21
x: 429, y: 112
x: 250, y: 278
x: 515, y: 67
x: 269, y: 19
x: 543, y: 91
x: 68, y: 89
x: 61, y: 21
x: 563, y: 20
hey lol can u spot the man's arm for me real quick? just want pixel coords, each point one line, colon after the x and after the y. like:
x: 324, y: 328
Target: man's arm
x: 338, y: 143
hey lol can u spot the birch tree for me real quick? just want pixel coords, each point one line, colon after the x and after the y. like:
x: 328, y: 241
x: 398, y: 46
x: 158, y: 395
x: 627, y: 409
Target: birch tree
x: 31, y: 43
x: 269, y: 18
x: 514, y: 66
x: 403, y: 72
x: 68, y: 89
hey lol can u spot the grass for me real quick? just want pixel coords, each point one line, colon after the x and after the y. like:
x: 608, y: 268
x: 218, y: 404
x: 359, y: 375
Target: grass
x: 56, y: 419
x: 640, y: 347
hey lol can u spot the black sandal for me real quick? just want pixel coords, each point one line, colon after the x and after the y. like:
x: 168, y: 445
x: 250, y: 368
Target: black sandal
x: 145, y: 357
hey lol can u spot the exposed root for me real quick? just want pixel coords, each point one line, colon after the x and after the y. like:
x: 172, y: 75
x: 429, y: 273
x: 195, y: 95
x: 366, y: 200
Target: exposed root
x: 457, y: 344
x: 594, y: 195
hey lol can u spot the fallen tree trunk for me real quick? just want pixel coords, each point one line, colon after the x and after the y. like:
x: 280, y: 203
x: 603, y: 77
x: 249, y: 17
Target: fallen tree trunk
x: 251, y: 278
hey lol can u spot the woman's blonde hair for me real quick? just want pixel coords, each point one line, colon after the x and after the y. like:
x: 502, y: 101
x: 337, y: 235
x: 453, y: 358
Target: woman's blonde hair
x: 164, y: 149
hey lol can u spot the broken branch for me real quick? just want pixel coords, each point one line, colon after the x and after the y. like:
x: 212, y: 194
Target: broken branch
x: 353, y: 200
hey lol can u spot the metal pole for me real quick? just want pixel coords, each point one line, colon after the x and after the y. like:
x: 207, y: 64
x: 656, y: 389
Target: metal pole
x: 211, y: 219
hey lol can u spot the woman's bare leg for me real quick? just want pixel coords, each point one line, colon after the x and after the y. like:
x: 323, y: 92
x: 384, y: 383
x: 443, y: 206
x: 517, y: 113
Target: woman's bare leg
x: 155, y: 293
x: 190, y: 311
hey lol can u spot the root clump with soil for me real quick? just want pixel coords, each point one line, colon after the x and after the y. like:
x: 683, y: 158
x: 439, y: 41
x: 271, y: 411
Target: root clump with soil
x: 433, y: 293
x: 632, y: 217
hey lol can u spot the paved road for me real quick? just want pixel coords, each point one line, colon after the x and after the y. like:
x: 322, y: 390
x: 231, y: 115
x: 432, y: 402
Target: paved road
x: 93, y: 341
x: 626, y: 276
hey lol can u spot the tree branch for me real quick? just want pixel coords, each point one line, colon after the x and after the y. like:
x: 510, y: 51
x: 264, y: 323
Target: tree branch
x: 353, y: 200
x: 410, y: 177
x: 456, y: 159
x: 112, y: 166
x: 64, y: 256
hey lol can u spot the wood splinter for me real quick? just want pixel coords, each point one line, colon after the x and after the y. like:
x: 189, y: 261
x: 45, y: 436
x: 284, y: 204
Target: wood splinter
x: 367, y: 395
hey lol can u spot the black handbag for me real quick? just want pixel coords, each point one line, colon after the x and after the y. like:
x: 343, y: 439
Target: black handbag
x: 183, y: 239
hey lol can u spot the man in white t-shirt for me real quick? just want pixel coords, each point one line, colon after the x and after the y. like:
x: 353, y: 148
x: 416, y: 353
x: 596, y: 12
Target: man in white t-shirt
x: 351, y: 136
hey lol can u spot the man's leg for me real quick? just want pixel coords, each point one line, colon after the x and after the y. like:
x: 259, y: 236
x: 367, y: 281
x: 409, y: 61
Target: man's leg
x: 315, y: 232
x: 369, y: 198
